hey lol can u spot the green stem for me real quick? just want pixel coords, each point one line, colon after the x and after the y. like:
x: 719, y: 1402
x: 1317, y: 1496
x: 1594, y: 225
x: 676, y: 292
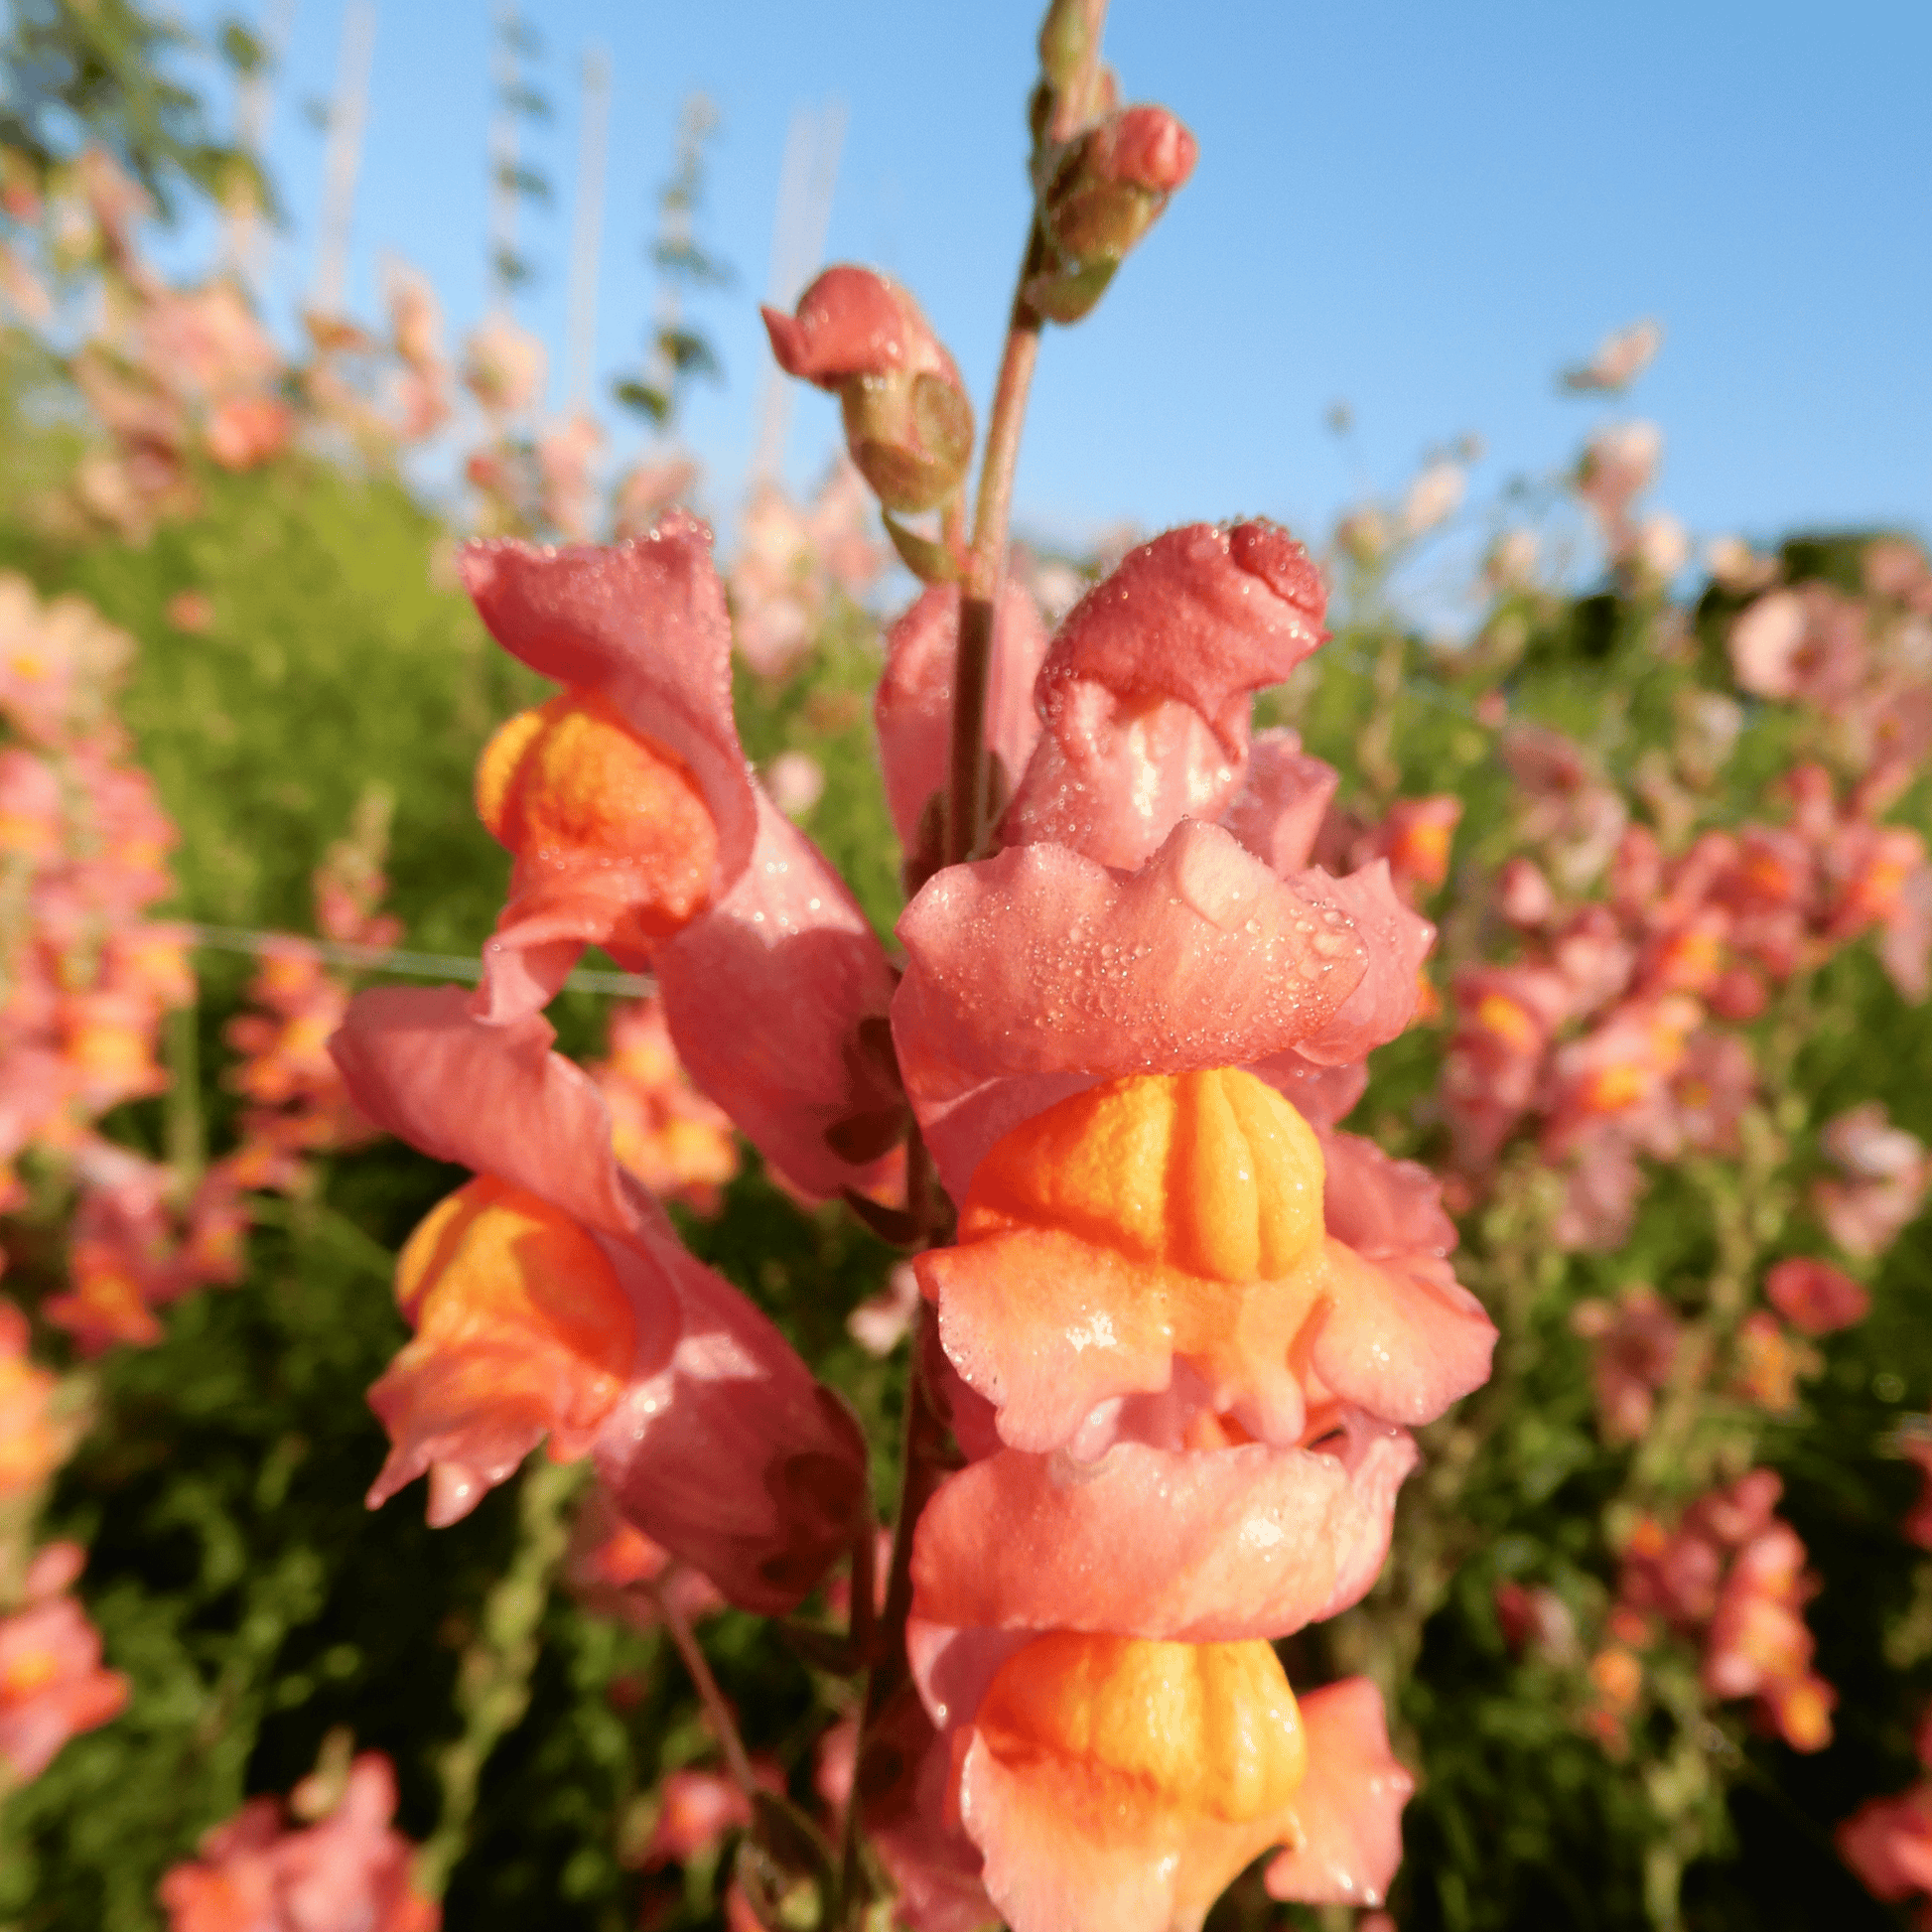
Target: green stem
x: 494, y: 1678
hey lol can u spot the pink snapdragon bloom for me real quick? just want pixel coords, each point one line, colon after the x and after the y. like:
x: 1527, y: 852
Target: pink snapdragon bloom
x: 350, y: 1872
x: 637, y: 825
x: 1732, y: 1575
x: 1185, y: 1324
x: 1633, y: 1352
x: 52, y: 1685
x: 1884, y: 1174
x: 551, y: 1297
x: 1814, y: 1297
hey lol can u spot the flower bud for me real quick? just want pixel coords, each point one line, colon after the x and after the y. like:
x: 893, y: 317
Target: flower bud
x: 1102, y: 195
x: 907, y: 421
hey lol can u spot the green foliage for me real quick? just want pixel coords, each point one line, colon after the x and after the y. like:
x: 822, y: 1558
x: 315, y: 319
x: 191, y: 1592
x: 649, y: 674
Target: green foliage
x: 107, y: 72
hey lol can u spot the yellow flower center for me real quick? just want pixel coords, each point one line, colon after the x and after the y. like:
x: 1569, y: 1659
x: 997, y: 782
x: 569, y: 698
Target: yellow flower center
x: 1212, y: 1728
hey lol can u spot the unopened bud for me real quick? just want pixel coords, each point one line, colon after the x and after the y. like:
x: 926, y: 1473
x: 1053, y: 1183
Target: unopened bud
x: 907, y: 421
x: 1103, y: 195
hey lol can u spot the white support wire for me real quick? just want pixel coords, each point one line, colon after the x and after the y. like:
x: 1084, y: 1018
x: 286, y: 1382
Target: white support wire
x: 388, y: 959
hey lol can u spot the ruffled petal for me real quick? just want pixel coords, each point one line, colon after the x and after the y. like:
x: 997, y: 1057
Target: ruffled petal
x: 1402, y: 1338
x: 494, y: 1099
x: 1379, y: 1205
x: 1035, y: 974
x: 1282, y: 802
x: 777, y: 1000
x: 732, y: 1456
x: 1199, y: 1545
x: 913, y: 709
x: 1349, y: 1807
x: 527, y: 1325
x: 1397, y: 941
x: 1144, y: 692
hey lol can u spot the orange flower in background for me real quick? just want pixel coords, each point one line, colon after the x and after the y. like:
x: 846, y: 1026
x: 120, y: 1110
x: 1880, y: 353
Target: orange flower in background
x: 680, y: 1145
x: 52, y: 1685
x: 33, y: 1442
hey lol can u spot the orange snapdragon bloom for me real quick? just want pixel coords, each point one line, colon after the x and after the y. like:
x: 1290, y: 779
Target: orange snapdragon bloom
x: 521, y: 1330
x: 1118, y: 1783
x: 1179, y: 1217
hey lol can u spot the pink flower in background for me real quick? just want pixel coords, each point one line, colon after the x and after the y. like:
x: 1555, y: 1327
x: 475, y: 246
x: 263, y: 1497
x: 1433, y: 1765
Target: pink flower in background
x: 503, y: 366
x: 676, y: 1142
x: 350, y: 1872
x: 52, y: 1685
x: 1814, y: 1297
x: 1620, y: 359
x: 1634, y: 1345
x: 1884, y: 1174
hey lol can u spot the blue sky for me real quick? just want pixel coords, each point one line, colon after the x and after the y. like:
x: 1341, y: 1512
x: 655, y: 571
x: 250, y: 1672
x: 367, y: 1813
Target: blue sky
x: 1421, y: 210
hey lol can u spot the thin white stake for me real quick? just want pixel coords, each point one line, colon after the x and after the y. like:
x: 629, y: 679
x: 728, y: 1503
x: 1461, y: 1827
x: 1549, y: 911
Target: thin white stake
x: 347, y: 118
x: 808, y: 178
x: 254, y: 107
x: 586, y: 226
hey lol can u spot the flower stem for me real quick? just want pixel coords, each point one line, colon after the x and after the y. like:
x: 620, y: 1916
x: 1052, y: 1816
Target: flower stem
x: 987, y: 561
x: 723, y: 1722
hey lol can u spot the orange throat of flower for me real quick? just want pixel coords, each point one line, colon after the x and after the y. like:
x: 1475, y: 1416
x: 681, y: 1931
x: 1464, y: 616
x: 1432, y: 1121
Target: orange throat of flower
x: 592, y: 807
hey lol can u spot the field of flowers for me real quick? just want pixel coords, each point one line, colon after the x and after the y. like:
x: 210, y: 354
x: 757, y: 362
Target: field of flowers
x: 1181, y: 1259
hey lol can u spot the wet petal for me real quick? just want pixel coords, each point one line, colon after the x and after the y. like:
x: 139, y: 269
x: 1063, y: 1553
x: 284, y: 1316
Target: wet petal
x: 1144, y: 692
x: 1121, y: 1785
x: 1201, y: 1545
x: 1349, y: 1808
x: 523, y: 1328
x: 1037, y: 973
x: 777, y: 1000
x: 494, y: 1099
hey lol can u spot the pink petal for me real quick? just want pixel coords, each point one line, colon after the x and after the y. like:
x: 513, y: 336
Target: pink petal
x: 1196, y: 1545
x: 1202, y: 615
x: 1816, y: 1296
x: 1282, y: 802
x: 644, y: 623
x: 1397, y: 941
x: 768, y: 997
x: 1378, y: 1205
x: 907, y: 1808
x: 852, y: 322
x: 1144, y: 692
x: 912, y: 710
x: 1350, y: 1806
x: 1039, y: 973
x: 494, y: 1099
x: 1401, y: 1338
x: 732, y: 1456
